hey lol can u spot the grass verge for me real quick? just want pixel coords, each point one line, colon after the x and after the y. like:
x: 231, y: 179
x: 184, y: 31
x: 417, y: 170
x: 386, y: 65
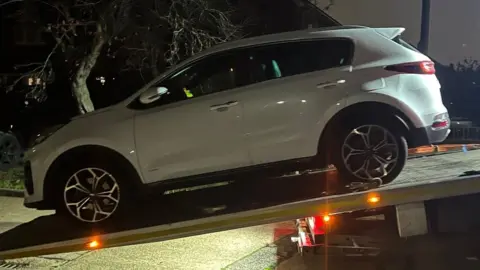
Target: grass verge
x: 12, y: 179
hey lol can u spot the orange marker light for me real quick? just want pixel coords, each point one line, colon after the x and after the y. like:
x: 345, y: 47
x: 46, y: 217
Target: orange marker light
x: 93, y: 244
x: 373, y: 199
x: 326, y: 218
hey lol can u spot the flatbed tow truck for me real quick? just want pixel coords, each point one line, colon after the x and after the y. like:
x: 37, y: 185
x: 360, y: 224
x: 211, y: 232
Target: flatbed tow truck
x: 410, y: 208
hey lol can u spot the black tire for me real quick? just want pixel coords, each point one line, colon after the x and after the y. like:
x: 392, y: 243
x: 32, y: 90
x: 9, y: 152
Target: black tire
x: 83, y: 168
x: 396, y: 136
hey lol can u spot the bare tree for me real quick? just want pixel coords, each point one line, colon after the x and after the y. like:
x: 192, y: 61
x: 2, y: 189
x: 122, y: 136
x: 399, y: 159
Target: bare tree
x: 196, y: 25
x: 174, y: 30
x: 80, y: 29
x: 150, y: 34
x: 330, y: 3
x: 144, y: 48
x: 99, y: 23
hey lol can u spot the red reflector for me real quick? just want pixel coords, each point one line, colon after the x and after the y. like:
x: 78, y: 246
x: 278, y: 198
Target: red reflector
x: 440, y: 124
x: 318, y: 224
x: 423, y: 67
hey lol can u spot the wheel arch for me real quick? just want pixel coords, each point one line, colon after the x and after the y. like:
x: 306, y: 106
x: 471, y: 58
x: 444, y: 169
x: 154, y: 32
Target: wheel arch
x: 365, y: 109
x: 85, y: 151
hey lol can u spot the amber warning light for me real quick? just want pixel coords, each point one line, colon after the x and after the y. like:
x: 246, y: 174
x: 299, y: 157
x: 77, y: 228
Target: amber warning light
x: 93, y: 244
x: 372, y: 199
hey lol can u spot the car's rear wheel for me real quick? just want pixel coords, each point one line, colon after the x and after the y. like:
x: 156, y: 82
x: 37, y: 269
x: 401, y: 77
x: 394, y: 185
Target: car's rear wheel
x: 95, y: 192
x: 371, y: 149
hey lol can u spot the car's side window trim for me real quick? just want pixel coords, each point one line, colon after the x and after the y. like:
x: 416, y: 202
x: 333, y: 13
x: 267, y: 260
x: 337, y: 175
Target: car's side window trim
x: 348, y: 55
x: 135, y: 103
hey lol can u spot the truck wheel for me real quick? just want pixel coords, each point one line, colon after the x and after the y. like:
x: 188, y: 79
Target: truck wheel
x: 366, y: 150
x: 92, y: 192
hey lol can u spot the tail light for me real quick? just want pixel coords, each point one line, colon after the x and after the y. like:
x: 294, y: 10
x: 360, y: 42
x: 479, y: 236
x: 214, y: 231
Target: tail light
x: 440, y: 124
x: 441, y: 121
x: 319, y: 224
x: 423, y: 67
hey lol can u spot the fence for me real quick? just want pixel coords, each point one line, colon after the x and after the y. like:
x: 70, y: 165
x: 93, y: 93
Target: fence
x: 464, y: 135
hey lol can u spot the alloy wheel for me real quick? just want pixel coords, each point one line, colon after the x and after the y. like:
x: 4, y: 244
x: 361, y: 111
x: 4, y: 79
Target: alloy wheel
x: 91, y: 195
x: 370, y: 151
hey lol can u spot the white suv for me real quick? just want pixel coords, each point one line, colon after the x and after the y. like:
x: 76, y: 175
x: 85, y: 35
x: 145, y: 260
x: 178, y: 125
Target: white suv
x: 350, y: 96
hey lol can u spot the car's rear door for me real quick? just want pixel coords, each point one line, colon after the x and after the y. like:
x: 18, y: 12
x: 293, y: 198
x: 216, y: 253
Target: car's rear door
x: 299, y: 83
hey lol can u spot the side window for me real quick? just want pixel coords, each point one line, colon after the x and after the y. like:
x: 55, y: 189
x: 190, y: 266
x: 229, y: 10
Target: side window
x: 207, y: 76
x: 293, y: 58
x: 210, y: 76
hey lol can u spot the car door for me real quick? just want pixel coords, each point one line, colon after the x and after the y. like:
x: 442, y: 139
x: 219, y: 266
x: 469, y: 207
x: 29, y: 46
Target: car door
x: 299, y: 83
x: 196, y: 126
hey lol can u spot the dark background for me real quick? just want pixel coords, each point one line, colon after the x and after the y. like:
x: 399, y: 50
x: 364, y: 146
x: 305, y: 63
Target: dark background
x: 23, y: 42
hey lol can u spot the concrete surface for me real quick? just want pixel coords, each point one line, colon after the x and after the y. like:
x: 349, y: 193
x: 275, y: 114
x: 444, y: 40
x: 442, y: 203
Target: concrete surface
x: 13, y: 211
x: 210, y: 251
x: 249, y: 248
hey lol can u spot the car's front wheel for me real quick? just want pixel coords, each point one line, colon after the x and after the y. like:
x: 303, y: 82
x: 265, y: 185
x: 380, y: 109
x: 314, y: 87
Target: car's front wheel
x: 92, y: 193
x: 366, y: 150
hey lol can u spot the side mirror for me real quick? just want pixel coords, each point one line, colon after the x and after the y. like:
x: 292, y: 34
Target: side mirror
x: 152, y: 94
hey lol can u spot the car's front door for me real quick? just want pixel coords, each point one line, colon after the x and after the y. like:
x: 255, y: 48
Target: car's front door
x: 196, y: 127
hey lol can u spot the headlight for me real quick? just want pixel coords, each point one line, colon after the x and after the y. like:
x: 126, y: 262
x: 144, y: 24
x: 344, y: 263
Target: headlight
x: 42, y: 136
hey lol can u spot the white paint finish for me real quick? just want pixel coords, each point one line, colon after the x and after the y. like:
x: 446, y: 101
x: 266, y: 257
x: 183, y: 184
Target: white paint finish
x: 111, y: 128
x: 273, y: 120
x: 188, y: 138
x: 411, y: 219
x: 285, y: 116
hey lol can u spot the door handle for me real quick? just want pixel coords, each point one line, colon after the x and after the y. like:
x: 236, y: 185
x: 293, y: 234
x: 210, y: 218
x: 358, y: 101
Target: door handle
x: 330, y: 84
x: 224, y: 106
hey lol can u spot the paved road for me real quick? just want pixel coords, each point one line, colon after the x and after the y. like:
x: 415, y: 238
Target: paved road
x: 249, y: 248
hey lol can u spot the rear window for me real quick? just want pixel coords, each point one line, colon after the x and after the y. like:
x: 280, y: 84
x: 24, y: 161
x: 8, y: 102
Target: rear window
x: 398, y: 39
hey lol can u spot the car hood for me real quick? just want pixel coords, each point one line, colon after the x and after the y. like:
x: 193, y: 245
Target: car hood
x: 96, y: 112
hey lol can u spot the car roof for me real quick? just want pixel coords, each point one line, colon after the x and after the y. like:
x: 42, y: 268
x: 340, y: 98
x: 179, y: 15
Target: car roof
x: 278, y: 37
x: 334, y: 31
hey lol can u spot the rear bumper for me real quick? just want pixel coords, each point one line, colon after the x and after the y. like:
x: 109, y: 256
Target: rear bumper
x: 428, y: 135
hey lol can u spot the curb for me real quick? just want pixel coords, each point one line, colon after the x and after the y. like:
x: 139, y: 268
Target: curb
x: 11, y: 193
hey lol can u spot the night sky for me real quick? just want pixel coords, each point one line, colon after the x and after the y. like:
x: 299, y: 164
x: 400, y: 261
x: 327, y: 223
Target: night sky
x: 455, y: 24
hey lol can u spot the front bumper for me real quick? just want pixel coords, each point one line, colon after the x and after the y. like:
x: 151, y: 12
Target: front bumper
x: 34, y: 173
